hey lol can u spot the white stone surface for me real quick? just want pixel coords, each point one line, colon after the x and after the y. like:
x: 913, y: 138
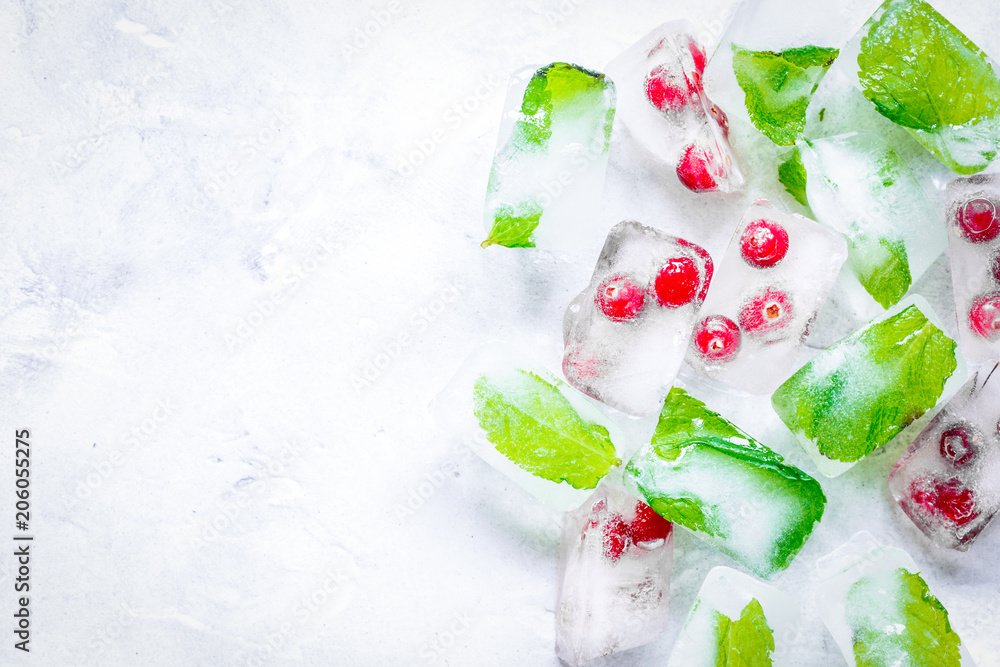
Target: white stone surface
x: 170, y: 174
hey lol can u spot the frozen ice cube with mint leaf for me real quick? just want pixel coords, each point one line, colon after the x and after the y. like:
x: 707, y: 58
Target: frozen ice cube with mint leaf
x: 737, y: 620
x: 548, y: 171
x: 626, y: 333
x: 773, y: 280
x: 530, y: 425
x: 881, y: 612
x: 702, y: 472
x: 972, y: 220
x: 864, y: 390
x: 615, y: 559
x: 948, y: 480
x: 662, y: 102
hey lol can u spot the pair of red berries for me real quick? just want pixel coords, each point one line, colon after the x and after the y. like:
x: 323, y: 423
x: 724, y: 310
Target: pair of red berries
x: 645, y: 530
x: 763, y: 244
x: 950, y: 499
x: 979, y: 223
x: 677, y: 283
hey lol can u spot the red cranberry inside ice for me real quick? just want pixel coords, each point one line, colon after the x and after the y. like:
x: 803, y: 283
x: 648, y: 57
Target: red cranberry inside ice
x: 700, y: 170
x: 958, y: 445
x: 648, y: 528
x: 698, y: 55
x: 666, y: 92
x: 719, y: 116
x: 950, y: 500
x: 984, y: 316
x: 978, y: 220
x: 764, y: 243
x: 717, y: 338
x: 708, y: 264
x: 619, y: 298
x: 677, y: 283
x: 616, y: 537
x: 766, y: 313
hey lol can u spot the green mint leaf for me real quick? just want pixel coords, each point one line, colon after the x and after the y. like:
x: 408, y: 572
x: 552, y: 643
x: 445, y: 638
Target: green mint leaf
x: 514, y: 229
x: 683, y: 418
x: 881, y: 265
x: 922, y: 73
x: 561, y: 89
x: 900, y: 623
x: 778, y: 87
x: 747, y: 641
x: 531, y: 423
x: 691, y: 513
x: 792, y: 174
x: 860, y: 392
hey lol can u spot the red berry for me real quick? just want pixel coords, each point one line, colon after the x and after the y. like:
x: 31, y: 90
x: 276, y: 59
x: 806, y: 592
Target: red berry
x: 951, y: 500
x: 677, y: 283
x: 719, y: 116
x: 698, y: 55
x: 766, y: 313
x: 764, y: 243
x: 717, y: 338
x: 698, y: 169
x: 666, y: 92
x: 995, y: 268
x: 984, y: 316
x: 709, y: 266
x: 616, y: 537
x: 648, y: 526
x: 978, y: 220
x: 958, y: 445
x: 619, y: 298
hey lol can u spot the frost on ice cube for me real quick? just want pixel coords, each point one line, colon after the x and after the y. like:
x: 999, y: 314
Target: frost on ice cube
x: 910, y: 66
x: 948, y: 480
x: 662, y: 102
x: 548, y: 171
x: 530, y: 425
x: 863, y: 390
x: 626, y: 333
x: 858, y: 185
x: 615, y: 560
x: 880, y: 611
x: 736, y: 620
x: 773, y: 280
x: 974, y: 247
x: 701, y: 472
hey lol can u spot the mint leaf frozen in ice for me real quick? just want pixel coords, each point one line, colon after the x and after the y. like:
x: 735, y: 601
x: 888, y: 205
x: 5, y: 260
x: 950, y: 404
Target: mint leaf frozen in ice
x: 792, y: 174
x: 746, y: 642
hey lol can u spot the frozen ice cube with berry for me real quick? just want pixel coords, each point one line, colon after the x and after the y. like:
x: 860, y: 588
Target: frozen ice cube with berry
x: 662, y: 103
x: 948, y: 480
x: 615, y: 556
x: 739, y: 620
x: 770, y: 285
x: 972, y: 221
x: 626, y: 333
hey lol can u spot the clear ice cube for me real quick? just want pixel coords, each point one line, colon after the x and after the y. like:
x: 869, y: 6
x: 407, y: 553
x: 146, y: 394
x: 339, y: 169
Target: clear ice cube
x: 530, y: 425
x: 626, y: 333
x: 772, y: 281
x: 615, y: 560
x: 948, y: 480
x: 548, y: 171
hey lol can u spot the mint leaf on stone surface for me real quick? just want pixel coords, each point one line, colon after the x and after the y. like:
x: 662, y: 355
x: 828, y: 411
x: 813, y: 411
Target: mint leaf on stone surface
x: 531, y: 423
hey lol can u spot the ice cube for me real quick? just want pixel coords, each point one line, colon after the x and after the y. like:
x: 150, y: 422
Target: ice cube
x: 662, y: 103
x: 948, y: 480
x: 615, y: 560
x: 703, y: 473
x: 974, y: 248
x: 865, y: 389
x: 552, y: 151
x: 879, y: 609
x: 626, y: 333
x: 858, y: 185
x: 737, y: 620
x: 772, y: 281
x: 530, y: 425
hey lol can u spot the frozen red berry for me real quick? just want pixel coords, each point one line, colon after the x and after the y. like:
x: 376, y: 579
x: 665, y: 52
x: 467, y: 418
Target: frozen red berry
x: 717, y: 338
x: 619, y: 298
x: 699, y: 169
x: 995, y: 267
x: 984, y: 316
x: 648, y: 527
x: 677, y: 283
x: 709, y: 267
x: 766, y: 314
x: 950, y: 500
x: 958, y: 445
x: 719, y: 116
x: 698, y: 55
x: 616, y: 537
x: 764, y: 243
x: 978, y: 221
x: 667, y: 92
x: 578, y: 364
